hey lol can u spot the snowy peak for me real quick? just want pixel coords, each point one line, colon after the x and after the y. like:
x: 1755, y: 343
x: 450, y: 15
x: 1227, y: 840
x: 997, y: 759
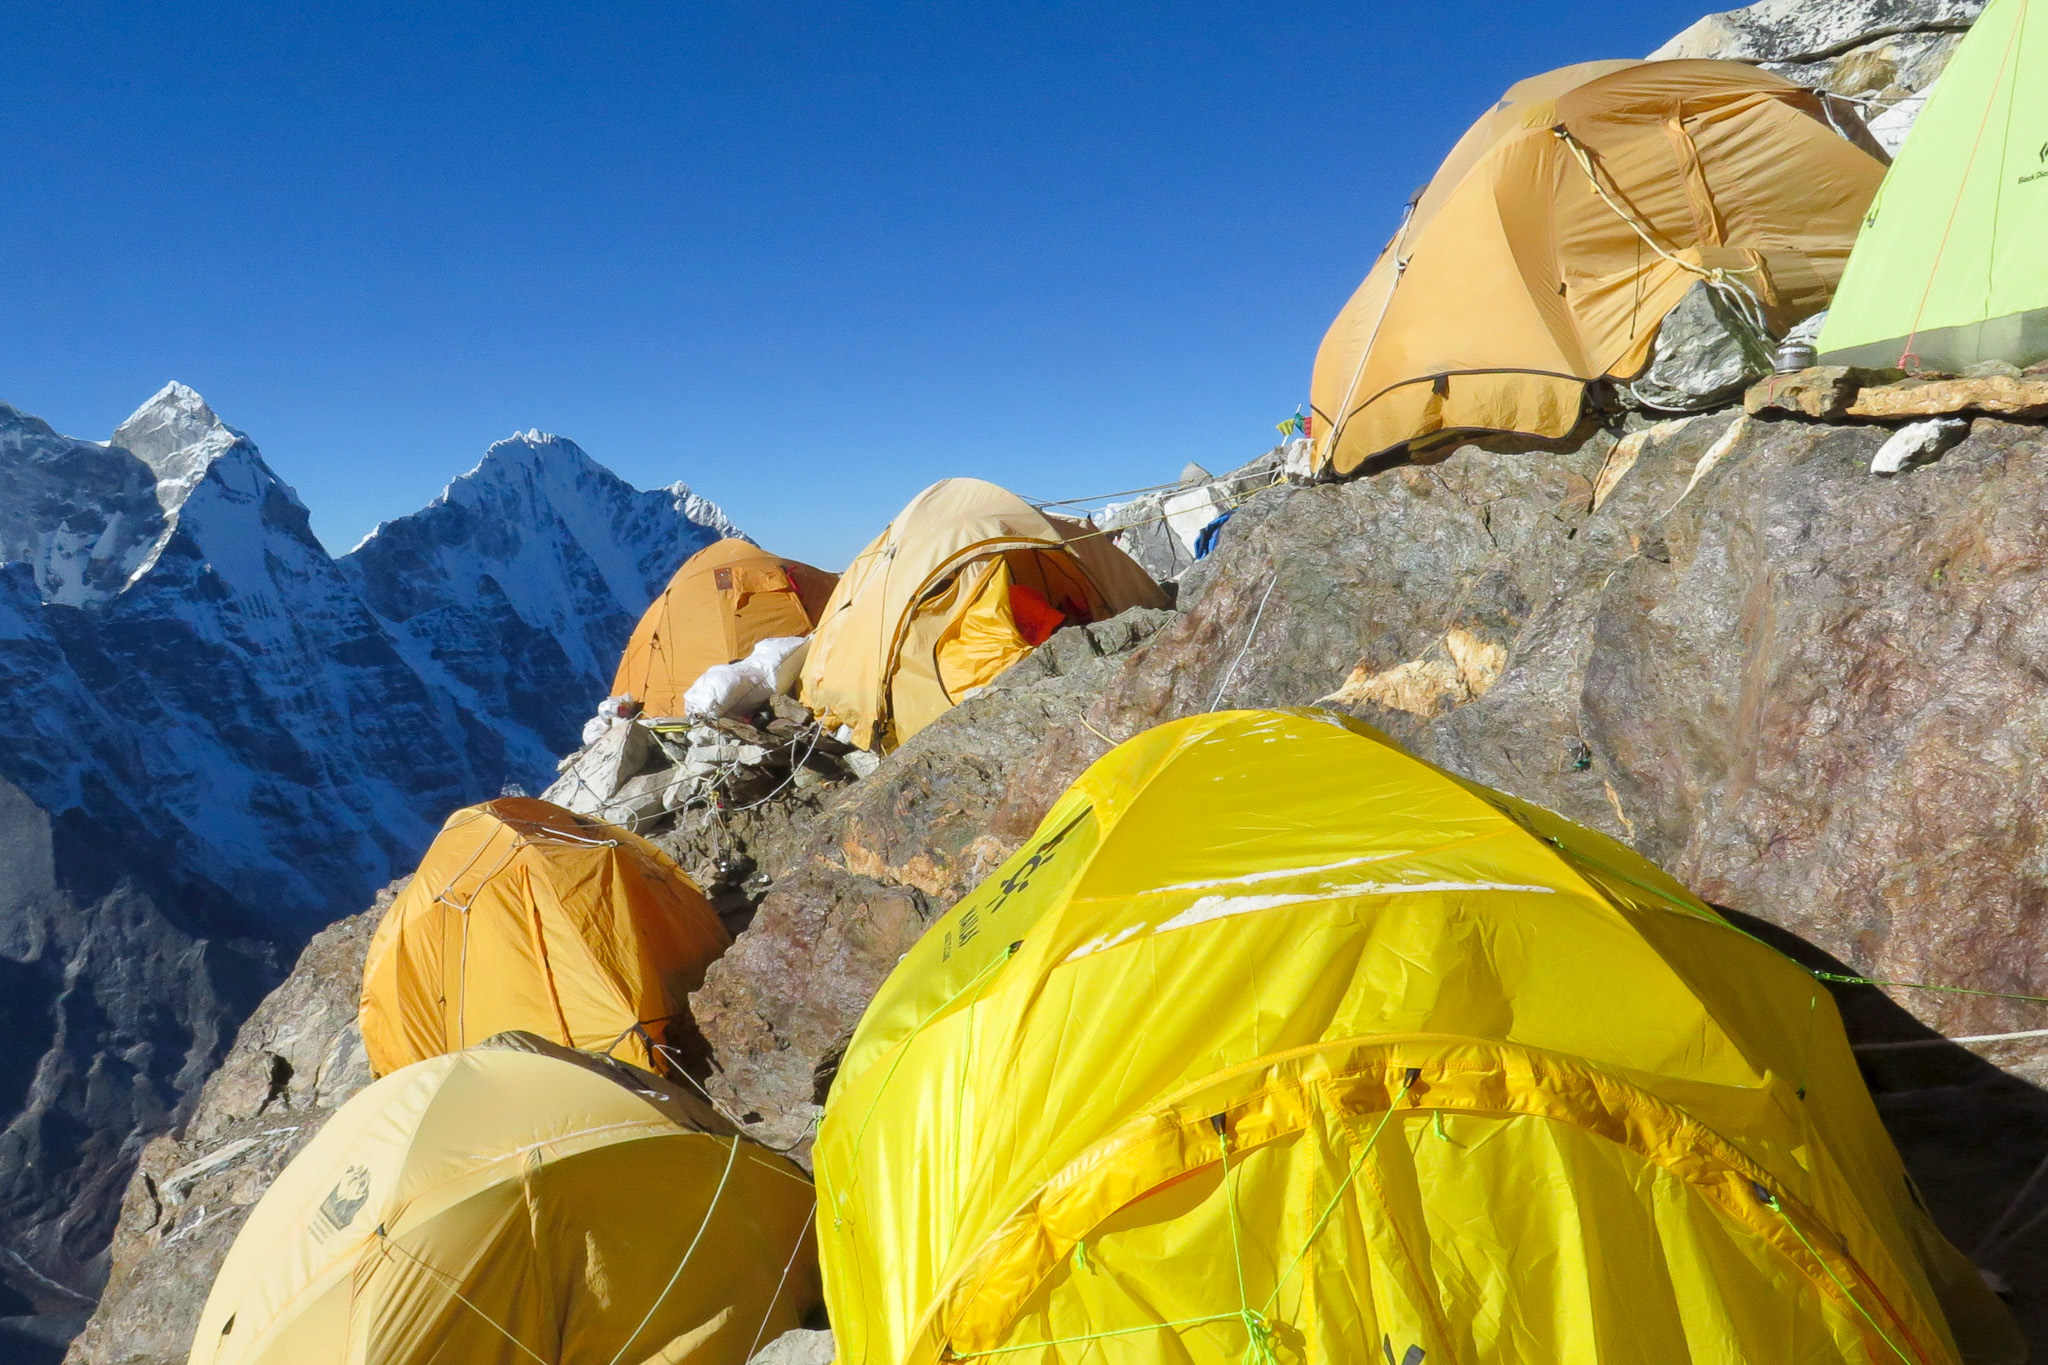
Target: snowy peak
x: 516, y: 588
x: 179, y: 437
x: 81, y: 514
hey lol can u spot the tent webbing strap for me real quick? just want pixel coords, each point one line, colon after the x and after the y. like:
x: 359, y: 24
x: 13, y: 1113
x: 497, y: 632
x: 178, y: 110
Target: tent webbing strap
x: 1739, y: 295
x: 1771, y: 1202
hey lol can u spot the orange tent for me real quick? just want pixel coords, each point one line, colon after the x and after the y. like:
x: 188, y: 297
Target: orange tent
x: 1563, y: 227
x: 526, y: 916
x: 726, y: 599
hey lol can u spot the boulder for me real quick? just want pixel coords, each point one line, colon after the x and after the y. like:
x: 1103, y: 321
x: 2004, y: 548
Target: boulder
x: 797, y: 1348
x: 1917, y: 443
x: 1706, y: 353
x: 1822, y: 391
x: 593, y: 776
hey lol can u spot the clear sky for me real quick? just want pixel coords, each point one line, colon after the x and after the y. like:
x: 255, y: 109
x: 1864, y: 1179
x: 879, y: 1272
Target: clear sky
x: 807, y: 257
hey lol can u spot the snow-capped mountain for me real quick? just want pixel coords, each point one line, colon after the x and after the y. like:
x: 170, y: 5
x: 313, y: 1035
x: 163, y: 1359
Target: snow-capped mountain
x: 515, y: 589
x: 216, y: 737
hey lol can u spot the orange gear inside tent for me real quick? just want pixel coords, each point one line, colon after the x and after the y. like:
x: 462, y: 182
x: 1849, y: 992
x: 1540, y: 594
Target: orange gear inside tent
x: 526, y: 916
x: 965, y: 581
x: 1565, y: 224
x: 723, y: 601
x: 1277, y: 1044
x: 514, y: 1203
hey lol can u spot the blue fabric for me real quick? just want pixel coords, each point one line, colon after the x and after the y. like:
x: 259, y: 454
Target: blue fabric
x: 1205, y: 539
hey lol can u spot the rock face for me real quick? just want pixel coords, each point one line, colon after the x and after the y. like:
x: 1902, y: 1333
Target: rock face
x: 296, y: 1060
x: 878, y: 863
x: 120, y: 987
x: 214, y: 740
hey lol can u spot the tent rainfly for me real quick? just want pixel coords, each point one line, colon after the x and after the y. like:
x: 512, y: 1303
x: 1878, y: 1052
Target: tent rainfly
x: 1952, y: 266
x: 526, y: 916
x: 726, y: 599
x: 514, y: 1203
x: 964, y: 582
x: 1560, y: 230
x: 1275, y: 1043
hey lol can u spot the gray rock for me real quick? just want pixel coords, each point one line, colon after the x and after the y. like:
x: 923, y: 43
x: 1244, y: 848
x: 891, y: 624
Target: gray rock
x: 1885, y: 55
x: 1705, y: 355
x: 597, y: 778
x: 1793, y: 31
x: 797, y: 1348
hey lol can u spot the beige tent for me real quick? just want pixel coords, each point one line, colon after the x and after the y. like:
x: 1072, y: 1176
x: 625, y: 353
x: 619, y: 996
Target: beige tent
x: 726, y: 599
x: 1564, y: 226
x: 965, y: 581
x: 527, y: 916
x: 514, y: 1203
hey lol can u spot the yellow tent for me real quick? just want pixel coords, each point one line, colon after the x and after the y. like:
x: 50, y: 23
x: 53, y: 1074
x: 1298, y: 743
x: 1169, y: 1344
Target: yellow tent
x: 525, y: 916
x: 962, y: 584
x: 1564, y: 226
x: 1275, y: 1044
x: 505, y: 1206
x: 726, y: 599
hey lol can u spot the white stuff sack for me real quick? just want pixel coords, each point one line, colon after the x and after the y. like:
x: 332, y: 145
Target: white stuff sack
x: 724, y: 690
x: 594, y: 728
x: 779, y: 662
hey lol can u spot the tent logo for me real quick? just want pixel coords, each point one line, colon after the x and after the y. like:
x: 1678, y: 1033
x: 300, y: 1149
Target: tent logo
x: 342, y: 1203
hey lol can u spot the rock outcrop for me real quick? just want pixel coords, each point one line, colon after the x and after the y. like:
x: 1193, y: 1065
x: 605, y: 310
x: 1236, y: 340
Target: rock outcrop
x: 296, y: 1060
x: 875, y: 866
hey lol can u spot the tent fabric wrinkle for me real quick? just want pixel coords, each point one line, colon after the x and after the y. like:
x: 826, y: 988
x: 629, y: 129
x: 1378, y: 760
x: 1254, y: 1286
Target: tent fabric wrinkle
x: 523, y: 915
x: 1473, y: 1080
x: 1561, y: 229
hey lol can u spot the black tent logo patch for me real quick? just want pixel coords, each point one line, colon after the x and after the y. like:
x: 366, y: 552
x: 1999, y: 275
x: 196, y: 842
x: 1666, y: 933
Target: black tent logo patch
x: 345, y: 1200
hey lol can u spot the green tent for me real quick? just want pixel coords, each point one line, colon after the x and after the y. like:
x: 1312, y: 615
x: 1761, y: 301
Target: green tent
x: 1951, y: 267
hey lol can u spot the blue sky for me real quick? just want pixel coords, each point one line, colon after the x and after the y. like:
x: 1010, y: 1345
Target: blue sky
x: 808, y: 257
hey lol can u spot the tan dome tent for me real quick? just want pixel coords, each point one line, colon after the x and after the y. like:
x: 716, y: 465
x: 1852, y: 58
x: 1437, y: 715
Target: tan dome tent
x: 726, y: 599
x: 525, y: 916
x: 1563, y: 227
x: 965, y: 581
x: 500, y: 1206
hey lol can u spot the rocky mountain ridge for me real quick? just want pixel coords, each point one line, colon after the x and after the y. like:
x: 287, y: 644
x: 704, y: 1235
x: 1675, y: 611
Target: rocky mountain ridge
x: 215, y: 737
